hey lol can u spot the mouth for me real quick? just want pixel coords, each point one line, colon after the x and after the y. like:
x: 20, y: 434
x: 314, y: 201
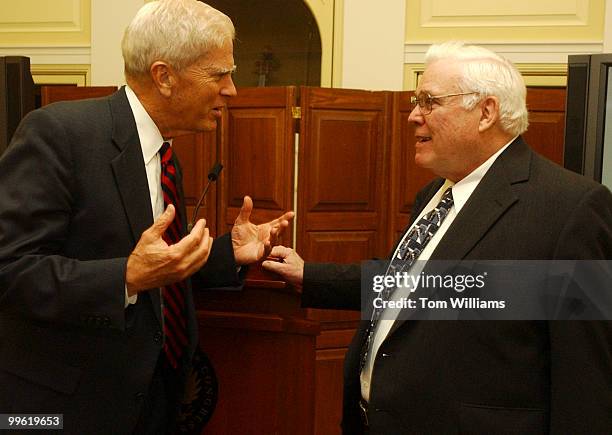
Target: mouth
x: 423, y: 139
x: 217, y: 111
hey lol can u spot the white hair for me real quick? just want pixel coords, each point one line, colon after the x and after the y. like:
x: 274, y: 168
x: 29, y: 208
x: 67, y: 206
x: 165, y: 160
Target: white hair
x: 176, y: 31
x: 488, y: 74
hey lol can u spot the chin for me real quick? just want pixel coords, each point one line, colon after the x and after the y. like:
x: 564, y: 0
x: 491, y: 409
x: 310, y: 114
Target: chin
x: 208, y: 126
x: 422, y: 160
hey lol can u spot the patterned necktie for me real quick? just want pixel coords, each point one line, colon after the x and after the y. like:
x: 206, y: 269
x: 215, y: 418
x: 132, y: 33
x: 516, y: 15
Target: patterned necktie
x: 406, y: 254
x: 173, y: 295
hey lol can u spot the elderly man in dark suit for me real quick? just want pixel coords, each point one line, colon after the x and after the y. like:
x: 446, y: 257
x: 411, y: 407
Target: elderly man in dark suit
x: 495, y: 200
x: 97, y: 320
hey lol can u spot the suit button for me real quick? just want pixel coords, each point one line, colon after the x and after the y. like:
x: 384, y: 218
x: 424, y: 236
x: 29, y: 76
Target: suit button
x: 140, y: 395
x: 157, y: 338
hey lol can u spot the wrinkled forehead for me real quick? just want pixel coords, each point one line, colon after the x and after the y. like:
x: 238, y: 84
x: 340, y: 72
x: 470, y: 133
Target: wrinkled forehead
x: 441, y: 76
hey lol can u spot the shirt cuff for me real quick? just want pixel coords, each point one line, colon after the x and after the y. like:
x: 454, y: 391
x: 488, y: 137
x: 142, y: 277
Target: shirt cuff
x: 129, y: 300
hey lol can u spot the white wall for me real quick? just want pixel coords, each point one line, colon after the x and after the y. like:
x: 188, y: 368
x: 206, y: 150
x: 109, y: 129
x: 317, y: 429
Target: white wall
x: 373, y: 44
x: 372, y: 52
x: 107, y: 26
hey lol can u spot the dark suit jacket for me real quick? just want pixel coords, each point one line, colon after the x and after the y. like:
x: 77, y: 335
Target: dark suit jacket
x: 492, y: 377
x: 74, y: 201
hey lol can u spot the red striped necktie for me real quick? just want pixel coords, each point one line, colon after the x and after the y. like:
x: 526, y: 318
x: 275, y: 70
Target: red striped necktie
x: 173, y: 295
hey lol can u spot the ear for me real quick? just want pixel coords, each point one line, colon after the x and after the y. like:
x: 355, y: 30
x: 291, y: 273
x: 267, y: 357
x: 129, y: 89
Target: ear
x: 163, y: 77
x: 489, y: 113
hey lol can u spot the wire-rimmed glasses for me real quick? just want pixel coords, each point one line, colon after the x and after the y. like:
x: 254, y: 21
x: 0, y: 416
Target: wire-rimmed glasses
x: 424, y: 100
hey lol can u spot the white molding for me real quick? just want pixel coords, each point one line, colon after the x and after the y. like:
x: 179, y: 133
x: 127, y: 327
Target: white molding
x: 484, y: 13
x: 553, y: 52
x: 36, y: 19
x: 51, y: 55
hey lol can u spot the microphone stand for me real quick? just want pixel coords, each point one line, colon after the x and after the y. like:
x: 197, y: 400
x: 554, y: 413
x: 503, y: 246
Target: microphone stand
x: 212, y: 176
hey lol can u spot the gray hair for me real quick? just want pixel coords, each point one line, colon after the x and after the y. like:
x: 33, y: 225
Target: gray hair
x: 488, y: 74
x: 176, y: 31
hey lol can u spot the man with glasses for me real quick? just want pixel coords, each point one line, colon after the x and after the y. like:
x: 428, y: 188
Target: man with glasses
x: 97, y: 318
x: 495, y: 199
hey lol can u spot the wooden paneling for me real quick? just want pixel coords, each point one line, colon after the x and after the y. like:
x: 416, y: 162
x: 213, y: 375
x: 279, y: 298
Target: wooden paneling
x: 328, y: 389
x: 50, y: 93
x: 344, y: 141
x: 343, y: 160
x: 197, y: 155
x: 256, y: 145
x: 350, y: 246
x: 546, y: 122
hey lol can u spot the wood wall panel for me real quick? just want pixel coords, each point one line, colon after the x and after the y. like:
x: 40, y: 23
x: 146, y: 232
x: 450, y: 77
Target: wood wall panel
x: 258, y: 134
x: 197, y: 155
x: 342, y: 160
x: 52, y: 93
x: 546, y: 122
x: 256, y: 144
x: 350, y: 246
x: 329, y: 385
x: 344, y: 141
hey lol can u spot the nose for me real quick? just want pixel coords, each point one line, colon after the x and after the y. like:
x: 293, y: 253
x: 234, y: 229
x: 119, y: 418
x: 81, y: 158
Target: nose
x: 228, y: 89
x: 416, y: 116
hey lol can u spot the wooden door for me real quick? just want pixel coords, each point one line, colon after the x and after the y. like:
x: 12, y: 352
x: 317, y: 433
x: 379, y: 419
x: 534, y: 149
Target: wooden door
x: 256, y: 147
x: 344, y: 148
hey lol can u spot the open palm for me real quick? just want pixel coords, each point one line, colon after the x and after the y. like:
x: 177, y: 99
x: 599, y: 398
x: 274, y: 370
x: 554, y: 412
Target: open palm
x: 253, y: 242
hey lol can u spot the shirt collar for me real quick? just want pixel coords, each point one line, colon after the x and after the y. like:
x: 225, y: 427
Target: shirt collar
x: 464, y: 188
x: 151, y: 139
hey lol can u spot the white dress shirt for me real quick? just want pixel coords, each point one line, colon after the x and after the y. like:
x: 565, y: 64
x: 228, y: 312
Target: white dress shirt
x: 462, y: 191
x: 151, y: 141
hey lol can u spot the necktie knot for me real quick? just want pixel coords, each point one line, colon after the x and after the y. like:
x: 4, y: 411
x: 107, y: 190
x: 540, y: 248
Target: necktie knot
x: 165, y: 153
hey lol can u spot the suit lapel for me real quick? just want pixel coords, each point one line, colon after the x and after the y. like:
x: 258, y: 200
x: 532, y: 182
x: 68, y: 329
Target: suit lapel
x: 130, y: 174
x: 489, y: 201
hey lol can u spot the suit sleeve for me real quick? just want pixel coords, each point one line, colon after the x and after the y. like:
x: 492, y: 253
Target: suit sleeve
x: 220, y: 271
x: 581, y: 351
x: 36, y: 204
x: 332, y: 286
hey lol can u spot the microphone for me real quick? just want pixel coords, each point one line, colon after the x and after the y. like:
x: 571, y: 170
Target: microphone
x: 213, y: 174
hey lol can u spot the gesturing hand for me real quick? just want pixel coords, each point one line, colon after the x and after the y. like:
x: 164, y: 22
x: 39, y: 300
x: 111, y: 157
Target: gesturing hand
x: 290, y: 265
x: 252, y: 242
x: 154, y: 264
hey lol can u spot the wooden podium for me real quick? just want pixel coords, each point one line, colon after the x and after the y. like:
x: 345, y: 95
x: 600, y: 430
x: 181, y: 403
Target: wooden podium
x: 263, y: 350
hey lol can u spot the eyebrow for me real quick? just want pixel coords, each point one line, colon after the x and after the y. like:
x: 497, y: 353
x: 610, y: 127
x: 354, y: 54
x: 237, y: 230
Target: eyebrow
x: 222, y: 71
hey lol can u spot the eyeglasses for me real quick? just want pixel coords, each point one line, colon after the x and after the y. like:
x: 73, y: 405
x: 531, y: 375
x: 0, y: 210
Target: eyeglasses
x: 425, y: 100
